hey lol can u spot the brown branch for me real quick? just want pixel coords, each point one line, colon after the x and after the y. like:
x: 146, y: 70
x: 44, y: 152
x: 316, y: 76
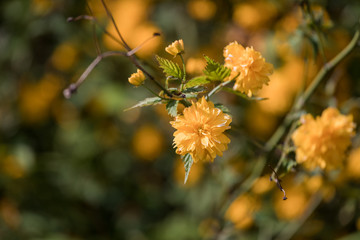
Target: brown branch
x: 74, y: 86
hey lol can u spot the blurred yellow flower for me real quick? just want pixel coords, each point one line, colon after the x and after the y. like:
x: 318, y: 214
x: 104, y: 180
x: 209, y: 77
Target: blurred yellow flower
x: 137, y: 78
x: 254, y: 14
x: 148, y: 143
x: 254, y: 71
x: 200, y: 131
x: 37, y: 98
x: 262, y: 185
x: 201, y: 9
x: 64, y: 56
x: 241, y: 210
x: 175, y: 48
x: 42, y: 7
x: 353, y: 164
x: 10, y: 166
x: 322, y: 141
x: 294, y: 206
x: 286, y: 82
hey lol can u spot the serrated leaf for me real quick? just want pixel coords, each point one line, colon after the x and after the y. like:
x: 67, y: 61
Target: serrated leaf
x: 188, y: 162
x: 146, y: 102
x: 197, y: 81
x: 215, y: 71
x: 222, y: 108
x: 171, y: 107
x: 170, y: 68
x: 243, y: 95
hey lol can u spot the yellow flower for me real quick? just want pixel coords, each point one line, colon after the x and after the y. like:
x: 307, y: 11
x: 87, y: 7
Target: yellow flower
x: 175, y: 48
x: 322, y: 141
x: 137, y: 78
x: 200, y: 131
x: 254, y: 71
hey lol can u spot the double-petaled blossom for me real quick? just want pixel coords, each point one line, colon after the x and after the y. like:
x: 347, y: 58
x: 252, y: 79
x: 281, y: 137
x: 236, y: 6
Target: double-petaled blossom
x: 321, y: 142
x: 137, y: 78
x: 251, y: 67
x: 175, y: 48
x: 200, y: 131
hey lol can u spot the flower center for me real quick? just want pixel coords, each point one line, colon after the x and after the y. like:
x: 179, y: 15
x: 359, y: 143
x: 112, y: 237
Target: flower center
x: 202, y: 131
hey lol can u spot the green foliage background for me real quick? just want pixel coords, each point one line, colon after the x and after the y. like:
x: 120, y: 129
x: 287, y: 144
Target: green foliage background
x: 69, y: 168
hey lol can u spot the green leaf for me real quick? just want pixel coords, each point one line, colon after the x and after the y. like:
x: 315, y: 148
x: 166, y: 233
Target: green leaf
x: 188, y: 162
x: 243, y: 95
x: 215, y: 71
x: 146, y: 102
x: 197, y: 81
x: 222, y: 108
x: 170, y: 68
x: 171, y: 107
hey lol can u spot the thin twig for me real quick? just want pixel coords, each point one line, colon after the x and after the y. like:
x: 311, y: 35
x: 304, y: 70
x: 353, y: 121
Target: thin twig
x: 184, y: 73
x: 74, y: 86
x: 94, y: 20
x: 114, y: 23
x: 285, y: 151
x: 97, y: 46
x: 221, y: 85
x: 132, y: 52
x: 277, y: 180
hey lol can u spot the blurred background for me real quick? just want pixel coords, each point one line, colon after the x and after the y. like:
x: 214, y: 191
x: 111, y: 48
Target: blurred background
x: 84, y: 168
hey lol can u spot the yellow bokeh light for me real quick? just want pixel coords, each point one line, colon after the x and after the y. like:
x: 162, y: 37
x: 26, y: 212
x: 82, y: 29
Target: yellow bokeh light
x: 262, y: 185
x: 64, y: 56
x: 294, y: 206
x: 11, y: 167
x: 36, y: 98
x: 352, y: 167
x: 241, y: 211
x: 254, y: 14
x: 42, y: 7
x: 201, y: 9
x: 148, y: 143
x: 284, y: 85
x: 195, y: 65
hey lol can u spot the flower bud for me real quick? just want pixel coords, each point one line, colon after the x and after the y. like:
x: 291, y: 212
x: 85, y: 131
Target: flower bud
x: 175, y: 48
x: 137, y: 78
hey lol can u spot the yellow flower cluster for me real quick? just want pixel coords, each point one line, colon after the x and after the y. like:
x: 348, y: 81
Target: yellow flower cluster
x: 137, y: 78
x: 254, y: 71
x: 322, y: 142
x: 175, y: 48
x: 200, y: 131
